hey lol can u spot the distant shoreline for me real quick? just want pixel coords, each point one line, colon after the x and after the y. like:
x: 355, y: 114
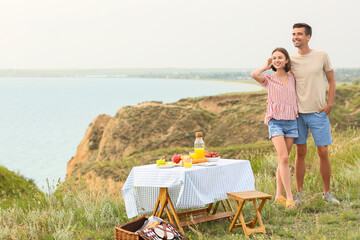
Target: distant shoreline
x: 342, y: 75
x: 243, y: 81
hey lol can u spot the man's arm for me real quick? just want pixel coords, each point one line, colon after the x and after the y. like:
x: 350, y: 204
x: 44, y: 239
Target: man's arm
x: 331, y: 92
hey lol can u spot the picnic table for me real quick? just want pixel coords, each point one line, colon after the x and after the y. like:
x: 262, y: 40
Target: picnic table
x: 148, y: 187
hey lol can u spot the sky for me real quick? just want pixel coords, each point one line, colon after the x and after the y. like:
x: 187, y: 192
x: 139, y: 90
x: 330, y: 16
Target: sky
x: 48, y: 34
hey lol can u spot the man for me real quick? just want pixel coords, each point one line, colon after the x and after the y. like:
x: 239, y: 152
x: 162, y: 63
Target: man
x: 309, y: 67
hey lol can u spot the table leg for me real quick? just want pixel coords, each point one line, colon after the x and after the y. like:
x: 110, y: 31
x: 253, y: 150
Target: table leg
x: 162, y: 199
x: 156, y: 206
x: 165, y: 200
x: 175, y: 215
x: 209, y: 208
x: 216, y: 207
x: 229, y: 204
x: 169, y: 215
x: 225, y: 208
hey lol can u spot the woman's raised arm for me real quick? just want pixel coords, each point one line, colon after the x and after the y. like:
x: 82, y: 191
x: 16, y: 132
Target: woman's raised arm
x: 257, y: 73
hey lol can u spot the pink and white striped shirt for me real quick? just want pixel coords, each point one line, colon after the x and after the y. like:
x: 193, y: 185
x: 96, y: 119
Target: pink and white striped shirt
x: 281, y: 103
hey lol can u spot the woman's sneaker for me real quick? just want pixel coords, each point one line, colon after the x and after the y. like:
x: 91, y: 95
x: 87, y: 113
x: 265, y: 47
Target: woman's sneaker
x: 330, y: 198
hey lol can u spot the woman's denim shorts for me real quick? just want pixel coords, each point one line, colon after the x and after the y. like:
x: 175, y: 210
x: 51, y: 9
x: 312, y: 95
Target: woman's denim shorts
x: 286, y: 128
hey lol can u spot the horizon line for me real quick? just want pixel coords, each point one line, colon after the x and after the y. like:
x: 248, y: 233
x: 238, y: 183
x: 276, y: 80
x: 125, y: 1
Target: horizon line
x: 140, y: 68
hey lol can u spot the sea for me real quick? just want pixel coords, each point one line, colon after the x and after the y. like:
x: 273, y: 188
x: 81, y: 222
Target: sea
x: 44, y: 119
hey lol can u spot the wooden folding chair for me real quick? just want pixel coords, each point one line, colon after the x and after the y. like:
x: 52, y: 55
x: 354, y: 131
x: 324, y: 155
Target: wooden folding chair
x: 240, y: 199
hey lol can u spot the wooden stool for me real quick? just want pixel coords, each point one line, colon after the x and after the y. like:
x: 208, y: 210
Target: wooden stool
x: 248, y: 196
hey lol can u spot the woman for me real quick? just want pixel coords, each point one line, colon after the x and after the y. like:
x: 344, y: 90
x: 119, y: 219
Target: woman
x: 281, y: 115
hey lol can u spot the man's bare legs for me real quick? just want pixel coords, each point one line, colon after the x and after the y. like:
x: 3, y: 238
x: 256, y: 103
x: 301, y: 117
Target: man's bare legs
x: 325, y: 167
x: 300, y: 167
x: 325, y: 170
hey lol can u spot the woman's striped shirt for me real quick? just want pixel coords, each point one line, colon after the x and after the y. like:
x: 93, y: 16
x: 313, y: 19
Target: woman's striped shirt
x: 281, y: 103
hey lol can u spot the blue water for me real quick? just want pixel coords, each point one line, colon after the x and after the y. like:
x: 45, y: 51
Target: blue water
x: 43, y: 120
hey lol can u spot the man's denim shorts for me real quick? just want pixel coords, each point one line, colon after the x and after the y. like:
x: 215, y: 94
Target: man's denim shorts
x: 319, y: 125
x: 286, y: 128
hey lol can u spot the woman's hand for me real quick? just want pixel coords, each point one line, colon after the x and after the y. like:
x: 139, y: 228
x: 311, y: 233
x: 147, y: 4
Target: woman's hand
x: 268, y: 64
x: 257, y: 73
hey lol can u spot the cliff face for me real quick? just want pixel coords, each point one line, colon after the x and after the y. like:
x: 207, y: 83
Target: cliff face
x: 149, y: 126
x: 89, y: 144
x: 134, y: 133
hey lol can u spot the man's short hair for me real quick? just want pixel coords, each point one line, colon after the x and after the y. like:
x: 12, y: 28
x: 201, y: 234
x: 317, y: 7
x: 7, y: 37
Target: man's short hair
x: 308, y: 30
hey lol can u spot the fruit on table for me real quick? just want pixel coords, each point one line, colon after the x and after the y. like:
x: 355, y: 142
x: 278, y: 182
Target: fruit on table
x: 176, y: 158
x: 161, y: 162
x: 211, y: 154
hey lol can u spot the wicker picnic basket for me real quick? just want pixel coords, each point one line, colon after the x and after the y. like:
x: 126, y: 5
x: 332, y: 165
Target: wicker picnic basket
x: 127, y: 231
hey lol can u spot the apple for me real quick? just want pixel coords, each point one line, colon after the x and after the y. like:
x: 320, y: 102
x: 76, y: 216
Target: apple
x: 176, y: 158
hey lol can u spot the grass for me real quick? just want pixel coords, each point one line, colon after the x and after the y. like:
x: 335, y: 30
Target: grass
x: 74, y: 215
x: 14, y: 185
x: 82, y: 214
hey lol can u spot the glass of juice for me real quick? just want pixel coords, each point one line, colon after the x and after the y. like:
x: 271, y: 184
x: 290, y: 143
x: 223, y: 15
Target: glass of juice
x: 187, y: 162
x: 199, y: 153
x: 192, y: 154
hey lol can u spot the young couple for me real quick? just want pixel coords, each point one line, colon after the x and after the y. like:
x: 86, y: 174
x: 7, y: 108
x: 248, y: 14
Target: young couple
x: 296, y: 104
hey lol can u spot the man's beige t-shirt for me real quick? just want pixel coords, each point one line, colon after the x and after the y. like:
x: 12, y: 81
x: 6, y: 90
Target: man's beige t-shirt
x: 309, y: 71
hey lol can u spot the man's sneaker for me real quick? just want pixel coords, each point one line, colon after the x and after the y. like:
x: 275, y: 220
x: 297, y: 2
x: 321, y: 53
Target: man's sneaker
x: 330, y: 198
x: 299, y: 198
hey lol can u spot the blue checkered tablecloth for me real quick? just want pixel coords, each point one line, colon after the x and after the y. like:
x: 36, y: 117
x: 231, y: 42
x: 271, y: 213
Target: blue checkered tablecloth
x: 188, y: 187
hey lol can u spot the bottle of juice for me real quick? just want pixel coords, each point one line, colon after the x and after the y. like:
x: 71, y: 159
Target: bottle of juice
x: 199, y: 146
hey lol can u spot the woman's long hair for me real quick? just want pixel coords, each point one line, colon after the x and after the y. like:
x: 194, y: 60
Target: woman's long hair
x: 283, y: 51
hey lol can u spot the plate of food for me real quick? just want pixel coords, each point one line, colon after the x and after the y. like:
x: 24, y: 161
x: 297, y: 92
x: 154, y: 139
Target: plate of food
x: 161, y: 163
x: 168, y: 165
x: 212, y: 156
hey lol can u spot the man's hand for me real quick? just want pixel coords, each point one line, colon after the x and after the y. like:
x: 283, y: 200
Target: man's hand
x: 326, y: 109
x: 331, y: 92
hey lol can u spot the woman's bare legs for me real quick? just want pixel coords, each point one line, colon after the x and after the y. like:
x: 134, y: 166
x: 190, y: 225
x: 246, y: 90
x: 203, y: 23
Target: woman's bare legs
x: 283, y: 177
x: 279, y: 184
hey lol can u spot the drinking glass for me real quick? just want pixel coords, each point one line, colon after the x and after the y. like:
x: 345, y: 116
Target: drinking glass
x: 192, y: 154
x: 187, y: 162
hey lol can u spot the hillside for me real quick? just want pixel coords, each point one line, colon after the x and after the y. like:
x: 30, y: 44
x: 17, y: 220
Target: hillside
x: 152, y: 130
x: 13, y: 187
